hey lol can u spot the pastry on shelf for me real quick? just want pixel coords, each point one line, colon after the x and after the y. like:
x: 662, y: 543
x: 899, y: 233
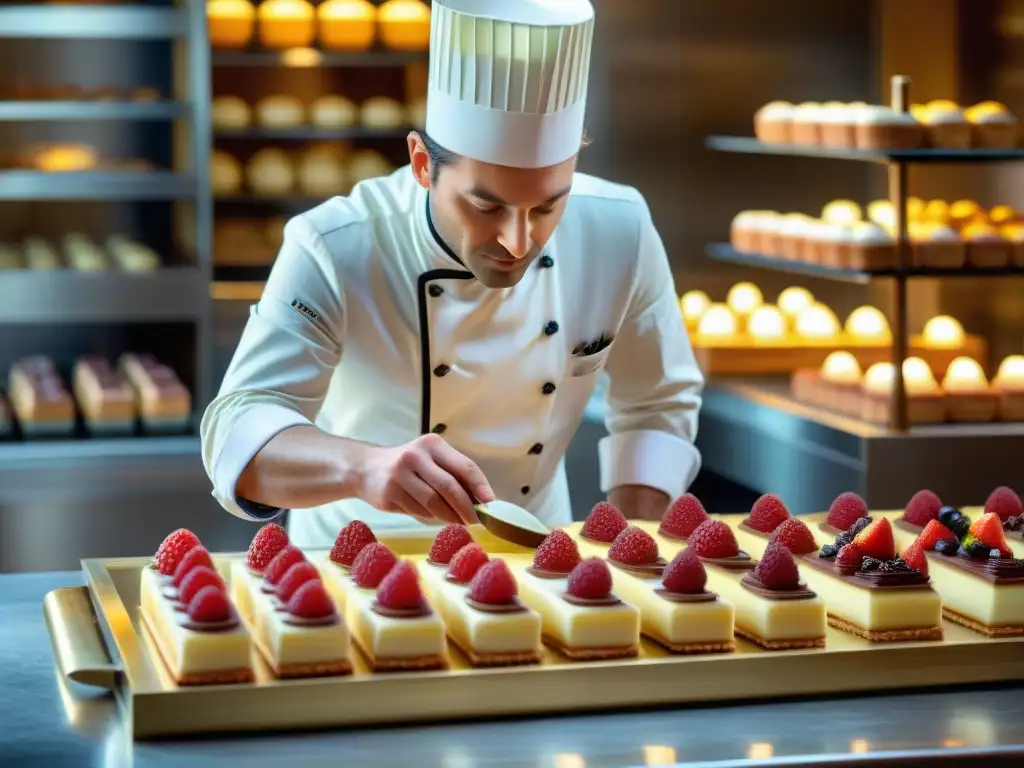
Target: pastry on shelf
x: 367, y: 164
x: 248, y: 576
x: 839, y: 219
x: 347, y: 25
x: 693, y: 305
x: 1004, y: 216
x: 231, y: 23
x: 280, y: 112
x: 963, y: 213
x: 82, y: 254
x: 943, y: 332
x: 867, y: 326
x: 986, y: 247
x: 416, y: 113
x: 132, y: 256
x: 969, y: 398
x: 773, y: 123
x: 104, y: 398
x: 717, y: 327
x: 404, y: 25
x: 381, y: 113
x: 64, y: 158
x: 230, y: 113
x: 934, y: 245
x: 926, y: 403
x: 162, y: 401
x: 945, y: 126
x: 792, y: 239
x: 839, y: 124
x: 1008, y: 384
x: 806, y: 124
x: 190, y: 618
x: 817, y: 324
x: 745, y: 232
x: 333, y: 112
x: 322, y: 172
x: 225, y: 173
x: 840, y: 383
x: 41, y: 402
x: 743, y: 299
x: 286, y: 24
x: 766, y: 326
x: 770, y: 225
x: 885, y: 129
x: 792, y: 301
x: 39, y: 254
x: 993, y: 126
x: 270, y: 173
x: 10, y: 258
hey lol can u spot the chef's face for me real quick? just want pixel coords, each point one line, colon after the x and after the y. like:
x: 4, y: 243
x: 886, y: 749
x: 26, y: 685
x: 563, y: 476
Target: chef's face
x: 496, y: 219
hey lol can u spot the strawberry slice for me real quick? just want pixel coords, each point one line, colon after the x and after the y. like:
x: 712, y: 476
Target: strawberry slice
x: 294, y: 578
x: 268, y: 541
x: 196, y: 579
x: 282, y: 561
x: 846, y: 510
x: 173, y: 549
x: 400, y: 589
x: 466, y: 563
x: 933, y: 533
x: 777, y: 569
x: 311, y: 601
x: 877, y: 540
x: 988, y: 531
x: 714, y: 539
x: 350, y: 542
x: 209, y: 606
x: 448, y: 541
x: 914, y: 557
x: 372, y: 565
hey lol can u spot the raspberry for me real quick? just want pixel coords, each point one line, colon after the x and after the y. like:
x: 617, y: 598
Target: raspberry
x: 400, y: 589
x: 195, y: 580
x: 311, y: 601
x: 923, y: 507
x: 1003, y: 502
x: 294, y: 578
x: 268, y: 541
x: 988, y: 529
x: 350, y: 542
x: 777, y: 569
x: 846, y: 510
x: 767, y: 514
x: 450, y: 540
x: 685, y: 574
x: 683, y: 517
x: 494, y: 584
x: 193, y: 558
x: 372, y: 565
x: 209, y: 605
x: 466, y: 562
x: 795, y: 536
x: 603, y: 523
x: 557, y: 553
x: 633, y: 546
x: 914, y: 557
x: 933, y: 533
x: 282, y: 561
x: 714, y: 539
x: 172, y: 549
x: 849, y: 558
x: 590, y: 580
x: 876, y: 540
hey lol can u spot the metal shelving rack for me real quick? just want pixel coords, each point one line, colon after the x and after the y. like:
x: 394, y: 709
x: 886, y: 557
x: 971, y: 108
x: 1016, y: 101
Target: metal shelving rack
x: 897, y: 164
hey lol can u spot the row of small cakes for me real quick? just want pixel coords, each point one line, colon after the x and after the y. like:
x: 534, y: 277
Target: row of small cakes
x: 939, y: 124
x: 320, y: 170
x: 284, y: 111
x: 963, y: 395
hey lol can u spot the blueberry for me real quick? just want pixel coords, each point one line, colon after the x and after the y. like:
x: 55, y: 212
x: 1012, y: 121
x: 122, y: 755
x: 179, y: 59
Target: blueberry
x: 842, y: 540
x: 961, y: 526
x: 977, y: 549
x: 947, y: 546
x: 829, y: 551
x: 948, y: 514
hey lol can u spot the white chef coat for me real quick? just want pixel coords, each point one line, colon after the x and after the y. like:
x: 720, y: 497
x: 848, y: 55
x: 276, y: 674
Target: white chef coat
x: 370, y: 328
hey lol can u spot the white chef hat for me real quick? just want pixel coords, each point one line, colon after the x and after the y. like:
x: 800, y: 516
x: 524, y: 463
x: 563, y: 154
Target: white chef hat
x: 508, y: 79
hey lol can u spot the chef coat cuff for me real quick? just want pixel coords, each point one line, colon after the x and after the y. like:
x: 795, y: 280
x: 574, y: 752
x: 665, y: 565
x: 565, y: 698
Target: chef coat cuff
x: 648, y: 457
x: 257, y: 427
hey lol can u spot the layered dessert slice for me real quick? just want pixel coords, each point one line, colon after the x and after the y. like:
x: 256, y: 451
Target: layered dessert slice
x: 248, y: 575
x: 871, y: 592
x: 773, y: 608
x: 925, y: 507
x: 845, y: 510
x: 162, y: 401
x: 39, y: 399
x: 104, y: 399
x: 971, y: 566
x: 1005, y: 503
x: 580, y: 614
x: 478, y: 599
x: 187, y: 613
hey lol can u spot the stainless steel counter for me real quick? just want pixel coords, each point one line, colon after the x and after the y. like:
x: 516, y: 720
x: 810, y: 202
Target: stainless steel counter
x: 45, y: 723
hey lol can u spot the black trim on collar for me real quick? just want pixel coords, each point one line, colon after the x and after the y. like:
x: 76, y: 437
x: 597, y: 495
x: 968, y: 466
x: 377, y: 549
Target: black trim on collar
x: 426, y: 368
x: 437, y: 237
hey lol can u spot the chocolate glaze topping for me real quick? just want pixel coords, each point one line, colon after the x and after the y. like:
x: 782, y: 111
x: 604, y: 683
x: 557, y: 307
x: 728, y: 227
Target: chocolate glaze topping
x: 669, y: 535
x: 752, y: 583
x: 321, y: 621
x: 395, y: 613
x: 744, y: 527
x: 211, y: 626
x: 995, y: 570
x: 648, y: 569
x: 738, y: 562
x: 540, y: 573
x: 611, y: 599
x: 594, y: 541
x: 867, y: 579
x: 686, y: 597
x: 514, y: 607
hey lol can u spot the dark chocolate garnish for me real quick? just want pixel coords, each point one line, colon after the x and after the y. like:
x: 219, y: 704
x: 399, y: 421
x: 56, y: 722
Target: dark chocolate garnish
x: 686, y: 597
x: 320, y: 621
x: 754, y: 584
x: 401, y: 613
x: 596, y: 602
x: 541, y: 573
x: 650, y: 569
x: 738, y: 562
x: 513, y: 607
x: 211, y: 626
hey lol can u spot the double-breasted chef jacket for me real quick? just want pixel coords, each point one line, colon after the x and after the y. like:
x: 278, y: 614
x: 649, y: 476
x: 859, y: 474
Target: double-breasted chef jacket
x: 372, y: 329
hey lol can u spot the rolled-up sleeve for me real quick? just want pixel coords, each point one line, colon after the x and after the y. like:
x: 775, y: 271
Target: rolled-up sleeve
x: 655, y: 385
x: 282, y: 367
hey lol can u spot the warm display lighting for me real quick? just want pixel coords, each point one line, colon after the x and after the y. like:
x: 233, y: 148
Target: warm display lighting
x: 841, y: 368
x: 744, y: 298
x: 1011, y: 370
x: 718, y: 322
x: 943, y: 332
x: 918, y: 376
x: 301, y: 58
x: 964, y: 373
x: 882, y: 213
x: 793, y: 301
x: 880, y: 377
x: 817, y: 322
x: 868, y: 324
x: 841, y: 213
x: 693, y: 305
x: 767, y: 324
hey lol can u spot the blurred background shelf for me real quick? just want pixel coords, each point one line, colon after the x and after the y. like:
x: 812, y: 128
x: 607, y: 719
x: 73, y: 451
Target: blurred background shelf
x: 312, y: 134
x: 311, y: 57
x: 96, y: 185
x: 121, y: 22
x: 92, y: 110
x: 751, y: 146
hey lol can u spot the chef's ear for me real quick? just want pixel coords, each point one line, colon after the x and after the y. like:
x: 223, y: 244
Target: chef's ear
x: 419, y: 160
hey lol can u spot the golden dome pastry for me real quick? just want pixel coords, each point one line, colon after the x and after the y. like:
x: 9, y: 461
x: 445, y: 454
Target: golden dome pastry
x: 1014, y: 234
x: 286, y: 24
x: 934, y: 245
x: 946, y: 126
x: 404, y: 25
x: 885, y: 129
x: 806, y: 124
x: 280, y: 112
x: 381, y: 113
x: 773, y: 123
x: 231, y: 23
x: 744, y: 298
x: 225, y: 174
x: 230, y: 113
x: 322, y: 172
x: 986, y: 246
x: 993, y: 126
x: 943, y: 332
x: 1008, y: 384
x: 925, y: 400
x: 347, y: 25
x: 1003, y: 215
x: 867, y: 325
x: 334, y: 113
x: 817, y: 324
x: 964, y: 212
x: 717, y: 324
x: 271, y: 173
x: 767, y: 325
x: 367, y: 164
x: 65, y: 158
x: 693, y: 305
x: 969, y: 398
x: 838, y: 125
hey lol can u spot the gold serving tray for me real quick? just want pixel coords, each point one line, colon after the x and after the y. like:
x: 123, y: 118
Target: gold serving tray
x: 98, y: 639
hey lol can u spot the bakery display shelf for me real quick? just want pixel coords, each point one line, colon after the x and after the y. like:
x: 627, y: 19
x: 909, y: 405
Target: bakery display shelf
x: 751, y: 146
x: 310, y: 133
x: 311, y: 57
x: 237, y: 290
x: 246, y: 273
x: 30, y: 455
x: 290, y: 202
x: 98, y: 639
x: 726, y: 253
x: 11, y: 111
x: 110, y: 22
x: 96, y: 185
x: 67, y: 296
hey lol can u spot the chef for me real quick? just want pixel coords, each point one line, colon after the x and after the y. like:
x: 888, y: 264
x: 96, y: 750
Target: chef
x: 432, y: 339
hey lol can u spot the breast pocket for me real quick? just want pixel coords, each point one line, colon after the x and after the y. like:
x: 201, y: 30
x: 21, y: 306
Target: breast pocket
x: 587, y: 366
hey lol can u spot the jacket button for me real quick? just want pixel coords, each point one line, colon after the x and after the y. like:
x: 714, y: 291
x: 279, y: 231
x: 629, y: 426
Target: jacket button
x: 442, y: 370
x: 551, y: 328
x: 546, y: 262
x: 548, y: 388
x: 525, y: 490
x: 439, y: 429
x: 536, y: 449
x: 435, y: 290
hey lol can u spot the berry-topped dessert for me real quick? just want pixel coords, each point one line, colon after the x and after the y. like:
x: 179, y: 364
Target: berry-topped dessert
x: 973, y: 569
x: 682, y: 518
x: 714, y: 542
x: 870, y: 590
x: 580, y: 614
x: 1005, y: 503
x: 187, y: 611
x: 249, y: 576
x: 478, y: 599
x: 846, y: 509
x: 922, y: 508
x: 767, y: 514
x: 603, y: 524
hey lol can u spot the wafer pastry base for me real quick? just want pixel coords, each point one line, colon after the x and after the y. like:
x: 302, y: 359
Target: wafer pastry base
x: 593, y: 654
x: 885, y: 635
x: 980, y: 628
x: 501, y: 659
x: 213, y: 677
x: 692, y: 649
x: 312, y: 669
x: 110, y: 428
x: 410, y: 664
x: 781, y: 645
x: 967, y: 408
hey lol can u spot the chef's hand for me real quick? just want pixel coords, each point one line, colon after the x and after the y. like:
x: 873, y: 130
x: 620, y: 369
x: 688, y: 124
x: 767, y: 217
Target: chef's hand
x: 427, y: 479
